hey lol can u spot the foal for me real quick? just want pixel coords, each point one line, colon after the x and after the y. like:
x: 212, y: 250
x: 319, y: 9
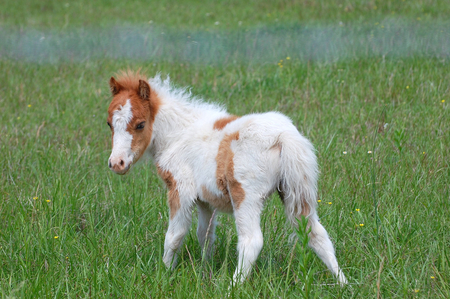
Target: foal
x: 216, y: 161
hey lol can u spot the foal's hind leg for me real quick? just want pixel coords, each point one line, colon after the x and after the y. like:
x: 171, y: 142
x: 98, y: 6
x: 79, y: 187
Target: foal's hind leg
x: 250, y: 238
x: 322, y: 246
x: 206, y: 228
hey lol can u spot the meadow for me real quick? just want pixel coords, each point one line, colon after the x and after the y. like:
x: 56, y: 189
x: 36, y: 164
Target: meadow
x: 366, y: 81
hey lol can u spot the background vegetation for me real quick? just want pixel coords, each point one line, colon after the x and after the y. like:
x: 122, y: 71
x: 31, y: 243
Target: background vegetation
x: 366, y: 81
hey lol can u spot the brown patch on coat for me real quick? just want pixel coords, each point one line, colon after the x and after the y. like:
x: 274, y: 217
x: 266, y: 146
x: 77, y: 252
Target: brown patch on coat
x: 226, y: 182
x: 306, y: 209
x: 145, y: 105
x: 173, y: 197
x: 222, y: 122
x: 222, y: 202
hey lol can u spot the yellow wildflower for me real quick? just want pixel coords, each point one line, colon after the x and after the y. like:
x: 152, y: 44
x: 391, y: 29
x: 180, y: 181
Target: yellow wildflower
x: 361, y: 224
x: 56, y: 237
x: 319, y: 200
x: 329, y: 202
x: 35, y: 197
x: 357, y: 210
x: 48, y: 200
x: 443, y: 101
x: 29, y: 106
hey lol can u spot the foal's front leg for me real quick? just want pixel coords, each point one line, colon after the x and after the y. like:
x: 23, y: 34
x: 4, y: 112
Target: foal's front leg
x: 179, y: 225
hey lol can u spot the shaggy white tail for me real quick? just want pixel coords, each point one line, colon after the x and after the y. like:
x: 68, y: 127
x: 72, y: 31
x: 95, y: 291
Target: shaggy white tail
x: 299, y: 172
x: 298, y: 190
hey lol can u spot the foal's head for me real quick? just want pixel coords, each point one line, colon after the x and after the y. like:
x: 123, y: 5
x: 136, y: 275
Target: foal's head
x: 130, y: 116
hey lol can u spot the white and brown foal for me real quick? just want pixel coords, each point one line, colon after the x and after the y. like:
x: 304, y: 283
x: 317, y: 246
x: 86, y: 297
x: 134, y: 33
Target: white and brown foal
x: 215, y: 161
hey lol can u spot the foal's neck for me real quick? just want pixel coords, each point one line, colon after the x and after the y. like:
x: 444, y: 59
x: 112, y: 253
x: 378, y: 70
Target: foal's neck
x: 171, y: 122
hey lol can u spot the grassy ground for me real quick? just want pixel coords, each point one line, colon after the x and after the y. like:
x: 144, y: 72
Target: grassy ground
x: 196, y: 14
x: 70, y: 228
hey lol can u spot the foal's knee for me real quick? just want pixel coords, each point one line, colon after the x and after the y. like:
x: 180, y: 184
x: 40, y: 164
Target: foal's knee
x: 251, y: 245
x: 174, y: 239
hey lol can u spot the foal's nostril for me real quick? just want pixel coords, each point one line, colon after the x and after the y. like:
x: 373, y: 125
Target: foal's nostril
x: 118, y: 165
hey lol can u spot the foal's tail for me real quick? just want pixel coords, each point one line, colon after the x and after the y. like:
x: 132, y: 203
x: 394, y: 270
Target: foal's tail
x: 298, y: 189
x: 299, y: 172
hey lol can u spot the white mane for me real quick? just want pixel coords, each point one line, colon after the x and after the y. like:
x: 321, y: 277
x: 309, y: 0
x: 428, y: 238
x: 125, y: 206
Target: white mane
x: 182, y: 95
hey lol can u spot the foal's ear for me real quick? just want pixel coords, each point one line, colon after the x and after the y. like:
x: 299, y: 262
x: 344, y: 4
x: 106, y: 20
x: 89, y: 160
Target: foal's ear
x: 144, y: 90
x: 114, y: 86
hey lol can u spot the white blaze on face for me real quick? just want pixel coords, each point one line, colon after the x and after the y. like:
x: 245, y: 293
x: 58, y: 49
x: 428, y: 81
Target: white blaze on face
x: 122, y: 155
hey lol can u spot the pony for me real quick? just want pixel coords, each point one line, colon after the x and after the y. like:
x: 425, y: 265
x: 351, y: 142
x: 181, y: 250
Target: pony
x: 216, y: 161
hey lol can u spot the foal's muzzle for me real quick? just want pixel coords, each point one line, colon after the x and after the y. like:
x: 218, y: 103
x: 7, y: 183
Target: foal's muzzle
x: 118, y: 165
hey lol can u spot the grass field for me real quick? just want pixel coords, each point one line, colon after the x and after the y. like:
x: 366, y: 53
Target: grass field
x: 378, y: 117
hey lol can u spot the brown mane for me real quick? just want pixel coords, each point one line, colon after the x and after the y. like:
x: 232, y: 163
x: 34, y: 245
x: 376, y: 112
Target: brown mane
x: 129, y: 80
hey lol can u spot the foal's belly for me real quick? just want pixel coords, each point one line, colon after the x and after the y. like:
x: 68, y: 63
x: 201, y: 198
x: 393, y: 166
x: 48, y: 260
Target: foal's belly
x: 216, y: 199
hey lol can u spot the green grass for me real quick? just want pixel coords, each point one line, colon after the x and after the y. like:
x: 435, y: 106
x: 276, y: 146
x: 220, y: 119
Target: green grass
x: 71, y: 228
x: 203, y: 15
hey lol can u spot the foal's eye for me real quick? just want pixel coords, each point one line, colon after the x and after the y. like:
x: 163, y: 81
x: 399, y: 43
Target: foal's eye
x: 140, y: 126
